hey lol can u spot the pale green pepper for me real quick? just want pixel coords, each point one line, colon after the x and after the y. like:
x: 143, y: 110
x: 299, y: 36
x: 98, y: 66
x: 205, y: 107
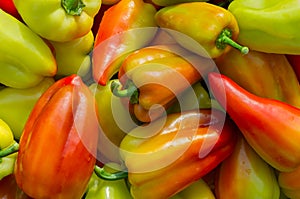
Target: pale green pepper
x: 73, y: 57
x: 270, y: 26
x: 25, y: 59
x: 16, y: 104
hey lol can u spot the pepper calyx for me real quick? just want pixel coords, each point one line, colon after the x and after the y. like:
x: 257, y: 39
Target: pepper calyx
x: 105, y: 175
x: 225, y: 39
x: 129, y: 91
x: 73, y: 7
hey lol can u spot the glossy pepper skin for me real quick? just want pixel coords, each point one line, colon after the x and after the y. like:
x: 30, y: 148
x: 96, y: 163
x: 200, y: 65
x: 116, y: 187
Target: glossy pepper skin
x: 262, y: 122
x: 126, y: 26
x: 7, y: 140
x: 276, y: 31
x: 73, y: 57
x: 16, y: 104
x: 264, y: 74
x: 212, y: 36
x: 244, y: 174
x: 159, y: 73
x: 197, y: 190
x: 59, y: 20
x: 59, y: 139
x: 114, y: 122
x: 173, y: 152
x: 107, y: 189
x: 31, y: 62
x: 289, y: 183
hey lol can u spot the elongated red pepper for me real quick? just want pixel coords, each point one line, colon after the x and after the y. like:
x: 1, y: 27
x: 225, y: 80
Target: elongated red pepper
x: 121, y: 31
x: 57, y: 148
x: 271, y: 127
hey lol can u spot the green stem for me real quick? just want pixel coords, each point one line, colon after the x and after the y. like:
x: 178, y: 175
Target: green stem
x: 73, y: 7
x: 130, y: 91
x: 225, y: 39
x: 101, y: 173
x: 10, y: 150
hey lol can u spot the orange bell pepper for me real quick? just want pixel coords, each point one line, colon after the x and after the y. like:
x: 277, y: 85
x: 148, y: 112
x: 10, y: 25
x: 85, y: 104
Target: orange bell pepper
x: 154, y: 75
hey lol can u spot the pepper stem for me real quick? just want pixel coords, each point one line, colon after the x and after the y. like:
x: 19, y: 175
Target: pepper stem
x: 130, y: 91
x: 103, y: 174
x: 225, y: 39
x: 9, y: 150
x: 73, y: 7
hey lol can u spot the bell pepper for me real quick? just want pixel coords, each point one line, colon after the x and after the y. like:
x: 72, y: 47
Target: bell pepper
x: 289, y: 183
x: 171, y: 153
x: 126, y: 26
x: 108, y: 189
x: 25, y: 58
x: 197, y: 190
x: 73, y: 57
x: 294, y: 60
x: 244, y: 174
x: 275, y: 31
x: 10, y: 190
x: 214, y: 36
x: 59, y: 139
x: 262, y: 122
x: 153, y: 76
x: 114, y: 122
x: 16, y: 104
x: 7, y: 159
x: 263, y: 74
x: 60, y: 20
x: 9, y: 7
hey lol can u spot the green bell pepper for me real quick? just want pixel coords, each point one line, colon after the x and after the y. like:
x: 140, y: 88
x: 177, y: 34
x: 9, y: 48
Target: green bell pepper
x: 7, y: 141
x: 16, y: 104
x: 278, y: 27
x: 107, y: 189
x: 198, y: 190
x: 114, y: 121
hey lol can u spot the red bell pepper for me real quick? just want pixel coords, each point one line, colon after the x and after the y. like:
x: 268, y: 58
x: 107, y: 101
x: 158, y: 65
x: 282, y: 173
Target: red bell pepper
x: 270, y: 126
x: 57, y: 148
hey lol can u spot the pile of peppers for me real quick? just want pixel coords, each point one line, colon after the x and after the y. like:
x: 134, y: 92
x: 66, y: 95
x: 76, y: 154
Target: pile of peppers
x: 150, y: 99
